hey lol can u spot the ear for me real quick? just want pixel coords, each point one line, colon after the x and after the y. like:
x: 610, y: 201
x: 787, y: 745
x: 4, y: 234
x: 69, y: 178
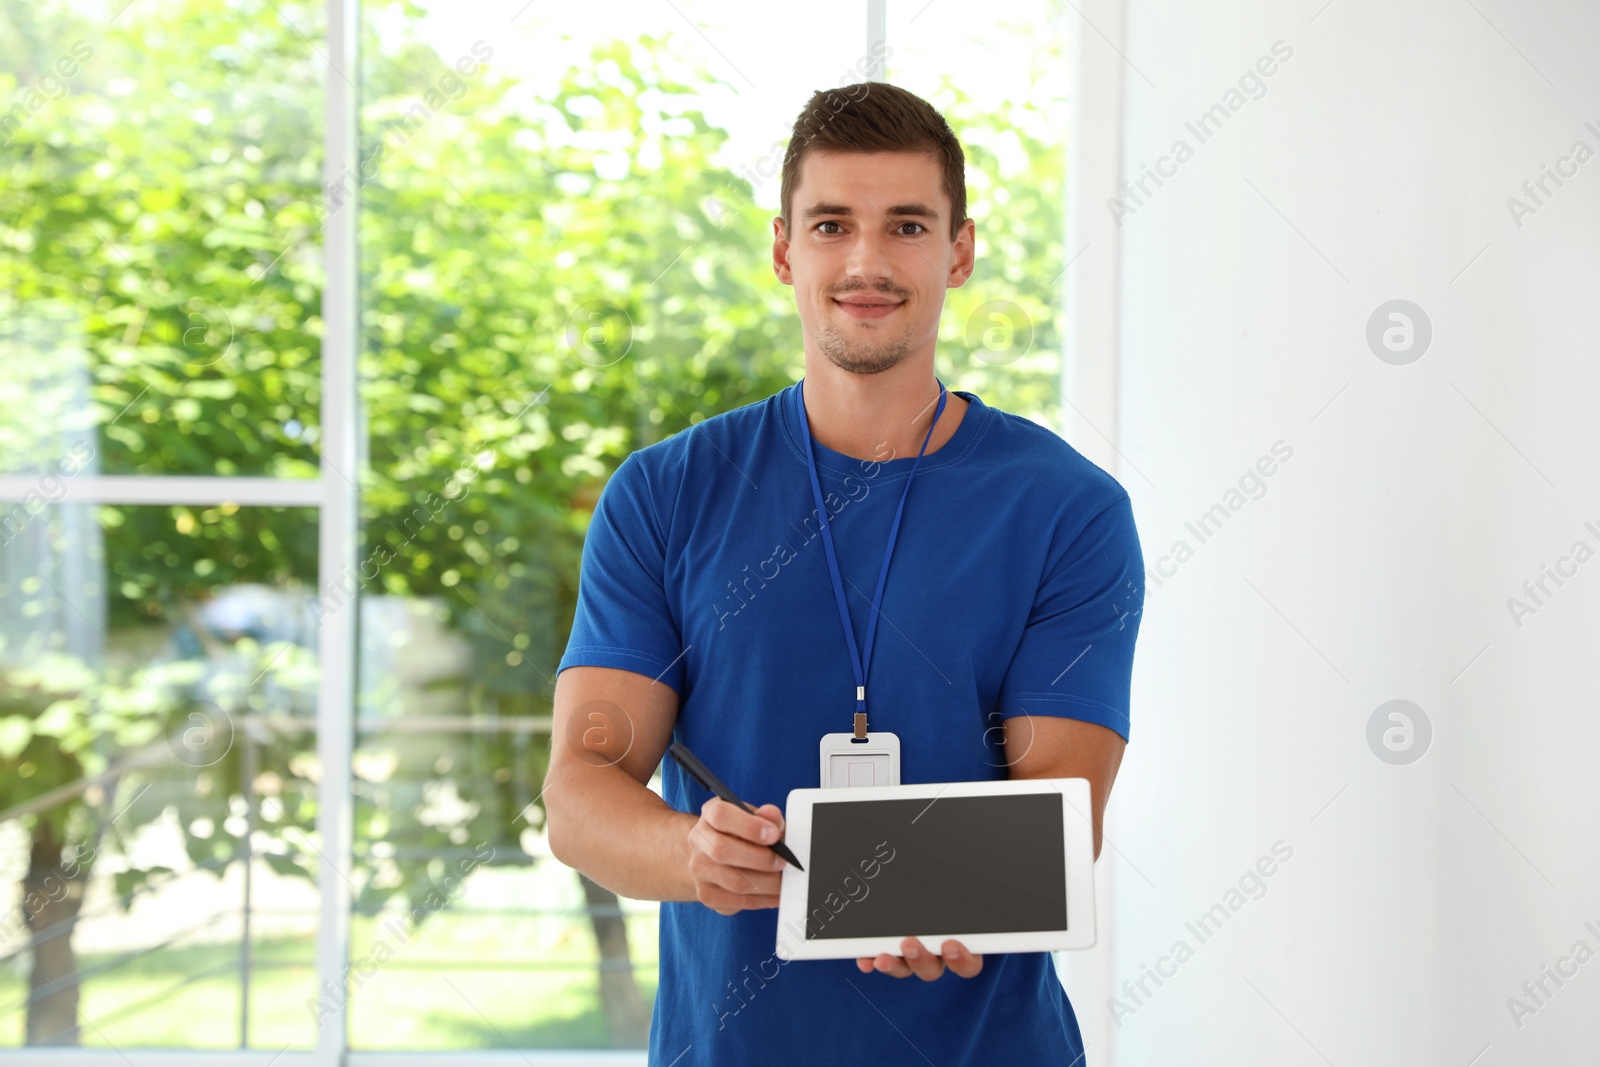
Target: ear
x: 780, y: 252
x: 964, y: 256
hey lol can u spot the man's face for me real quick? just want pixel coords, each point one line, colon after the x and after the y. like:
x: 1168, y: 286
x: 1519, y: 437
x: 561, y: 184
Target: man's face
x: 871, y: 228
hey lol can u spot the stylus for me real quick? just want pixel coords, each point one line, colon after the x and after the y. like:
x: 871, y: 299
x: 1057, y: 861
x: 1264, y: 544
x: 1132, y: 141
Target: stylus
x: 702, y: 774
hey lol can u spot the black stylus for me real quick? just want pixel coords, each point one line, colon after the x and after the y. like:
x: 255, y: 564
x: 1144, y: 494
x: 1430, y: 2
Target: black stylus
x: 702, y: 774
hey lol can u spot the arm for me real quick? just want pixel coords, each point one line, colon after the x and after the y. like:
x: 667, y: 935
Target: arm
x: 1073, y: 723
x: 611, y: 729
x: 1047, y: 746
x: 613, y: 725
x: 1089, y: 600
x: 1037, y: 746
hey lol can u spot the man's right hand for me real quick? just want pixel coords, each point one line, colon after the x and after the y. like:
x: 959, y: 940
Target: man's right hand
x: 732, y: 867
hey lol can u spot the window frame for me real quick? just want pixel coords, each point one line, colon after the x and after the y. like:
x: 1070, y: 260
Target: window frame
x: 1088, y: 381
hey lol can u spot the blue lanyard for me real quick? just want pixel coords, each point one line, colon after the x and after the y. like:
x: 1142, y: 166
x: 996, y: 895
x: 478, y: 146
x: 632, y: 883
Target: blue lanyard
x: 859, y: 662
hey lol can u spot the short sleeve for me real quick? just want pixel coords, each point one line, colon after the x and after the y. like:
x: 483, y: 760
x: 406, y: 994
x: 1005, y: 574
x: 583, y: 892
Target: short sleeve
x: 1075, y: 658
x: 624, y: 618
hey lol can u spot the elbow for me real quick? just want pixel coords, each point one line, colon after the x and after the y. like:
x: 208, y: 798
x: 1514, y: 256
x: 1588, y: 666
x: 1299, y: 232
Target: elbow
x: 555, y: 822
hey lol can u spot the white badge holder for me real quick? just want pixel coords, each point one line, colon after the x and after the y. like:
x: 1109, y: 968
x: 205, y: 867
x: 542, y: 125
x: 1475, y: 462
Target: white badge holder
x: 872, y: 760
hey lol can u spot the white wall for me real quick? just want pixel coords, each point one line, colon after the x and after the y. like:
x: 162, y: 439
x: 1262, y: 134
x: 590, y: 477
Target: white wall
x: 1378, y: 564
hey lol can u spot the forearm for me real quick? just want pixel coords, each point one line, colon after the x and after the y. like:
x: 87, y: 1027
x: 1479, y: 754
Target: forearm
x: 1059, y: 747
x: 619, y: 833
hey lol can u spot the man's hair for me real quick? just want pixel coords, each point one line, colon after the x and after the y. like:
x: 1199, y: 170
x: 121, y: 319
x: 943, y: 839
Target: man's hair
x: 875, y: 117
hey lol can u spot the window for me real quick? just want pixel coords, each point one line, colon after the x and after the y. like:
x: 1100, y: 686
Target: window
x: 296, y: 462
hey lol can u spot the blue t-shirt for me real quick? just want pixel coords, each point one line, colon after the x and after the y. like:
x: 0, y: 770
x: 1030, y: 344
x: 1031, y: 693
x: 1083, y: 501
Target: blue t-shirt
x: 1015, y: 588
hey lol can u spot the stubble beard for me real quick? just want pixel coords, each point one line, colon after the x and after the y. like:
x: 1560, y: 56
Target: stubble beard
x: 865, y: 355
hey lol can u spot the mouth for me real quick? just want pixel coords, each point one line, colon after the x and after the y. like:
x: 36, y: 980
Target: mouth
x: 875, y: 309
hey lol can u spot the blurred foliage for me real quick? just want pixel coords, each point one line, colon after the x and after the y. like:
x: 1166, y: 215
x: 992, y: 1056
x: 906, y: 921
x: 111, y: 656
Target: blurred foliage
x: 546, y: 285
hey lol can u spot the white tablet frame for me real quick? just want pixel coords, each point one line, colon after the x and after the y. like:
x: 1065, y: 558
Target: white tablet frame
x: 1077, y: 830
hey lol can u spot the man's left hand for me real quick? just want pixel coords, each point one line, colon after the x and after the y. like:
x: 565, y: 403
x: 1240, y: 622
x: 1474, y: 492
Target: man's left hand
x: 916, y: 959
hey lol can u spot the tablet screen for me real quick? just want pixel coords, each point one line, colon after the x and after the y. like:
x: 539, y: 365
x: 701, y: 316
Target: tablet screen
x: 983, y: 864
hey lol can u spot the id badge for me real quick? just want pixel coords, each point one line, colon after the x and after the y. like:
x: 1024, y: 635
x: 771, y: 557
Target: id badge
x: 874, y: 760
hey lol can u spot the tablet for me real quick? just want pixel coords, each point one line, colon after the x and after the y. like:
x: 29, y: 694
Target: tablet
x: 999, y: 866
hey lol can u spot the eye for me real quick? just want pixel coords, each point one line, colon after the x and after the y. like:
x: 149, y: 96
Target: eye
x: 918, y: 225
x: 829, y: 222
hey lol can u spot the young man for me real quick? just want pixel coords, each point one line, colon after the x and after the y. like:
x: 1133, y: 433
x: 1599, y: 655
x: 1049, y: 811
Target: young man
x: 709, y: 612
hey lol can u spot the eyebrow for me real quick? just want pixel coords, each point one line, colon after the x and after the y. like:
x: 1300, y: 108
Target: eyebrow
x: 914, y: 211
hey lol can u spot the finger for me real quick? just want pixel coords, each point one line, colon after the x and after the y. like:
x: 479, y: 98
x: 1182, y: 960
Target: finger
x: 762, y: 829
x: 738, y: 880
x: 964, y: 963
x: 924, y: 964
x: 893, y: 966
x: 864, y: 964
x: 730, y: 850
x: 772, y: 813
x: 732, y: 820
x: 727, y: 903
x: 737, y: 852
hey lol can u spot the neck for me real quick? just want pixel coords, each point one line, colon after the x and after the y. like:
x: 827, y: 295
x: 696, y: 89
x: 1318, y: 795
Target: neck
x: 878, y: 416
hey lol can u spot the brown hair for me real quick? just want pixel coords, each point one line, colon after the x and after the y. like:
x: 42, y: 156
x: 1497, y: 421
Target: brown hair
x: 875, y: 117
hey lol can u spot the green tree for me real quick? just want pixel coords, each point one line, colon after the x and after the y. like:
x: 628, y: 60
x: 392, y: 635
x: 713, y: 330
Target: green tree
x: 532, y: 312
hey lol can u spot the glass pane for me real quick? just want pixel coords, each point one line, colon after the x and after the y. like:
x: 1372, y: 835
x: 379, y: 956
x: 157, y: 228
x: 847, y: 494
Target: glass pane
x: 1003, y: 84
x: 160, y: 232
x: 567, y: 254
x: 158, y: 849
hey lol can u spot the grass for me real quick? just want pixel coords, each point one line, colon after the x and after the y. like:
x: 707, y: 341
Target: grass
x: 460, y: 981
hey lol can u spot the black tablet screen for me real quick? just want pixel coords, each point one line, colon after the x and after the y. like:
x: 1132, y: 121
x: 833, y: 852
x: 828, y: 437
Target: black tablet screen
x: 980, y: 865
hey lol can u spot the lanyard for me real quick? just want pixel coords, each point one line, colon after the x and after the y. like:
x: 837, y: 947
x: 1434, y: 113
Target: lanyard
x: 859, y: 662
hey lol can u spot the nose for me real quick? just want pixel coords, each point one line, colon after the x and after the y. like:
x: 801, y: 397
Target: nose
x: 868, y: 259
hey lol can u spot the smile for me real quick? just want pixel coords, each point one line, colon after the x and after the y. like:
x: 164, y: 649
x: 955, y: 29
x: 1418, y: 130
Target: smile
x: 868, y: 311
